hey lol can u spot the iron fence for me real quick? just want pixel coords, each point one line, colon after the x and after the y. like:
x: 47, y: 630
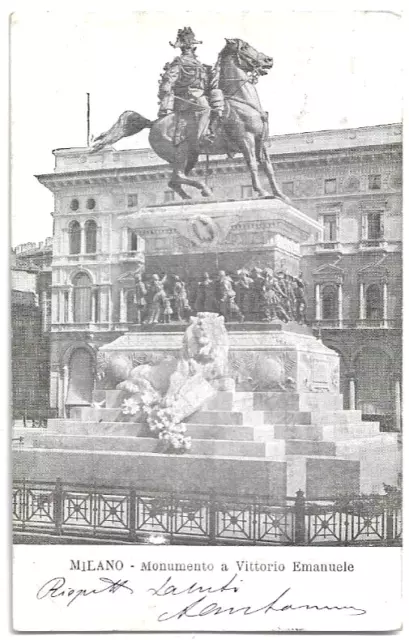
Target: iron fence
x: 142, y: 516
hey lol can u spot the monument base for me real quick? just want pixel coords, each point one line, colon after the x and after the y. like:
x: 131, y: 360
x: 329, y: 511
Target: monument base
x: 262, y: 357
x: 267, y: 444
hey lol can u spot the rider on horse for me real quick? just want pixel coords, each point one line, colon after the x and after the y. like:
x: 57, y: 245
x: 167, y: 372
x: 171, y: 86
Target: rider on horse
x: 189, y: 87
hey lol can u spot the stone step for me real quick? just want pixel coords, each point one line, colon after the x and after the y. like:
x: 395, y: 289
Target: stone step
x: 287, y: 417
x: 310, y: 448
x: 95, y: 414
x: 346, y: 416
x: 179, y: 473
x: 199, y: 431
x: 249, y: 418
x: 256, y: 433
x: 275, y: 449
x: 34, y: 437
x: 230, y: 401
x: 288, y: 401
x: 326, y: 433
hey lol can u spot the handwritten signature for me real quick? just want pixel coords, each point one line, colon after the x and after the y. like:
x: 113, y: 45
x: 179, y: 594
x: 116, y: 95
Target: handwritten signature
x: 56, y: 588
x: 202, y: 607
x: 199, y: 607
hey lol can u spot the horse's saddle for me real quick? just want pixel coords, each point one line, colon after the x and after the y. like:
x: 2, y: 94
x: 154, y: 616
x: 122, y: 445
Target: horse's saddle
x: 175, y: 128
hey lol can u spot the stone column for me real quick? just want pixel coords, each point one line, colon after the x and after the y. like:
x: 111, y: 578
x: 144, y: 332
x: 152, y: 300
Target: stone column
x: 340, y: 310
x: 124, y: 239
x: 397, y: 405
x: 103, y: 307
x: 352, y: 394
x: 70, y: 305
x: 385, y: 305
x: 44, y: 310
x: 54, y: 306
x: 64, y: 241
x: 61, y: 305
x: 66, y: 374
x: 317, y: 302
x: 122, y: 306
x: 99, y: 240
x: 60, y: 392
x: 94, y: 295
x: 361, y: 301
x: 109, y: 305
x: 82, y: 244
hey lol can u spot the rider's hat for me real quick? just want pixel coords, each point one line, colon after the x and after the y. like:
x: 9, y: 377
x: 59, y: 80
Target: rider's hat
x: 185, y: 37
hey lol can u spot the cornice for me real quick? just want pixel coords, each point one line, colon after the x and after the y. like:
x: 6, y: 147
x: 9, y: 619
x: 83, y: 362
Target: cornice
x: 138, y: 175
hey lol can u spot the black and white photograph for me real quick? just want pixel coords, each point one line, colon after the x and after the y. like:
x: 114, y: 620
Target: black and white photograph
x: 206, y: 310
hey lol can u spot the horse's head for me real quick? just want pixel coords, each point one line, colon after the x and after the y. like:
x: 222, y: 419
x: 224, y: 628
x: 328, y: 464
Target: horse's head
x: 247, y: 57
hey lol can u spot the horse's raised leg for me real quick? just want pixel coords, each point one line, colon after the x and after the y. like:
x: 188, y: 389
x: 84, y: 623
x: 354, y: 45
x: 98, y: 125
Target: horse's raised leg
x: 248, y: 149
x: 183, y: 163
x: 269, y: 171
x: 175, y: 184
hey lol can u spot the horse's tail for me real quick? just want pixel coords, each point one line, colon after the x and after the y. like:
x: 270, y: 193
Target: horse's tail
x: 128, y: 124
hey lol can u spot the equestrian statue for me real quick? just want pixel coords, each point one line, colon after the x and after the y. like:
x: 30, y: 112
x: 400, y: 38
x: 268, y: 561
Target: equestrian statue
x: 204, y: 109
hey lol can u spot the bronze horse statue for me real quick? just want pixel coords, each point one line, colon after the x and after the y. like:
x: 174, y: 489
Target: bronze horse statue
x: 243, y: 126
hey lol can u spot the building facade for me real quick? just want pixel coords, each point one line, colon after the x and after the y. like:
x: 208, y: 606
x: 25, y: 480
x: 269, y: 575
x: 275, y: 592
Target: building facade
x: 30, y: 347
x: 350, y: 180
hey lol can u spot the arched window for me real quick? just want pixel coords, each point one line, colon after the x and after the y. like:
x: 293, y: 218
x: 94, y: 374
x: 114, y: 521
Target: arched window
x: 373, y: 303
x: 134, y: 241
x: 82, y: 298
x: 329, y: 303
x: 90, y: 236
x: 74, y: 232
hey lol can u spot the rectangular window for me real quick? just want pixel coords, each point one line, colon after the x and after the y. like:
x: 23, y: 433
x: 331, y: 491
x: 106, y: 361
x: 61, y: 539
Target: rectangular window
x: 288, y: 188
x: 374, y: 182
x: 169, y: 196
x: 374, y: 226
x: 330, y: 228
x: 247, y: 191
x: 132, y: 200
x: 330, y: 186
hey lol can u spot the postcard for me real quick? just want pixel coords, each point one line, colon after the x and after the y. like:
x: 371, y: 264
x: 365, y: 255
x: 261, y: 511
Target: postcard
x: 206, y: 275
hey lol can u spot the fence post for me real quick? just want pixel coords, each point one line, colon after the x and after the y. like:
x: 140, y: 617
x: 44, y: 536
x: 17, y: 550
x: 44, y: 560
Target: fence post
x: 132, y: 514
x: 212, y: 518
x: 58, y: 506
x: 299, y: 517
x: 389, y: 517
x: 24, y: 506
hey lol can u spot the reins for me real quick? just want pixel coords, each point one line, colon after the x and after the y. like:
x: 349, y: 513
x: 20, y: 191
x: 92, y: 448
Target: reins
x: 227, y: 97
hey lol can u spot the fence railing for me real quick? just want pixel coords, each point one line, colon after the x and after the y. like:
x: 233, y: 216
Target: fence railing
x: 135, y: 515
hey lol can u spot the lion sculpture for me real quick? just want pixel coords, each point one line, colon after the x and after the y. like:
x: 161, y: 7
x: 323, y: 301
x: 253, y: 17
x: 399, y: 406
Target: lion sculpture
x: 185, y: 383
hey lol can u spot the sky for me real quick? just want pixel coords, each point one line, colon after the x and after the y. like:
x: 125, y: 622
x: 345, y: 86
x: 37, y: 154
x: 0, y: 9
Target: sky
x: 332, y: 69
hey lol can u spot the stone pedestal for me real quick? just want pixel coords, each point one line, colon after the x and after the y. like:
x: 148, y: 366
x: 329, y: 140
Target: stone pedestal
x: 211, y: 235
x: 262, y: 357
x: 280, y: 428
